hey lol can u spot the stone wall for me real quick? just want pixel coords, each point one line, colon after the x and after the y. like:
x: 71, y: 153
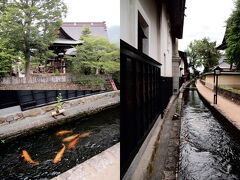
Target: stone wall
x: 34, y: 80
x: 232, y: 96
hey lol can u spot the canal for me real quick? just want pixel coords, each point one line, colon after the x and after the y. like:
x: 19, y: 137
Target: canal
x: 208, y: 150
x: 44, y: 146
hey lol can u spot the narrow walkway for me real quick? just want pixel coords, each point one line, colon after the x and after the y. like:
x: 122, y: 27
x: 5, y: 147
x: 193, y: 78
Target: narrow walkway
x: 165, y: 165
x: 227, y: 108
x: 171, y: 163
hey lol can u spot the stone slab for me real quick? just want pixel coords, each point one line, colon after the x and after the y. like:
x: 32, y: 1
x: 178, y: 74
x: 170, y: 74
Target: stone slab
x: 104, y: 166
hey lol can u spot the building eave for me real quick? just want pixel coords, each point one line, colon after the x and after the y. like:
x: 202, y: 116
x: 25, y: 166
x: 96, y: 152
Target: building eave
x: 176, y: 9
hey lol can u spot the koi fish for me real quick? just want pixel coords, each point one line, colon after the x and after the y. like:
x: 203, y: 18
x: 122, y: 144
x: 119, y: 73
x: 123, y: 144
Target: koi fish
x: 59, y: 133
x: 70, y: 138
x: 85, y: 135
x: 59, y: 155
x: 27, y: 157
x: 73, y: 143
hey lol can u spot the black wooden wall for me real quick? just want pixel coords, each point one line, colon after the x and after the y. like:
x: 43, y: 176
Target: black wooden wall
x: 28, y: 99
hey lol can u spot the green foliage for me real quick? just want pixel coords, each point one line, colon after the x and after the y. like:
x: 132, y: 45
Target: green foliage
x: 203, y: 53
x: 30, y: 25
x: 59, y: 104
x: 86, y: 31
x: 7, y: 58
x: 233, y: 36
x: 96, y: 54
x: 230, y: 89
x: 91, y: 80
x: 56, y: 72
x: 3, y: 141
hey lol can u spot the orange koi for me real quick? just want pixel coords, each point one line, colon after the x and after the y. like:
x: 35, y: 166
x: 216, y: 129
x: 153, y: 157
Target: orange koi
x: 27, y: 157
x: 63, y: 132
x: 73, y: 143
x: 67, y: 139
x: 59, y: 155
x: 85, y: 135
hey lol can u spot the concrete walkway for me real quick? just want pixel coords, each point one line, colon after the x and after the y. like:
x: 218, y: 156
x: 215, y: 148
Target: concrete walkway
x: 227, y: 108
x: 77, y: 107
x: 104, y: 166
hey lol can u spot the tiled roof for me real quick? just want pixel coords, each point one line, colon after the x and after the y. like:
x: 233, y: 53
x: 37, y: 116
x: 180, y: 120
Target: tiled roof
x: 66, y: 41
x: 74, y: 29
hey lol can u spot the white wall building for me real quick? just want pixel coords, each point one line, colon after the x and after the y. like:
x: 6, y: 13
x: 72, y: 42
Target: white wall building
x: 162, y: 25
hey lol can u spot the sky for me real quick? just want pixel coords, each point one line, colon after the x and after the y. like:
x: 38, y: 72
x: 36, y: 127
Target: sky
x: 205, y: 18
x: 93, y: 10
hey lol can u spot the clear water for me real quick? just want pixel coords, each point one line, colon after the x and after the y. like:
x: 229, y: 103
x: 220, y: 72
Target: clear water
x: 43, y: 147
x: 208, y: 150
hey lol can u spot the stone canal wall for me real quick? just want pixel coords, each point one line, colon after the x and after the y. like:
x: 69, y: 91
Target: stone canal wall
x: 35, y: 119
x: 104, y: 166
x: 226, y: 108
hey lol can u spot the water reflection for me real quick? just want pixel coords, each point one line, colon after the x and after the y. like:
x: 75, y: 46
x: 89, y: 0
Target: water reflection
x: 207, y: 150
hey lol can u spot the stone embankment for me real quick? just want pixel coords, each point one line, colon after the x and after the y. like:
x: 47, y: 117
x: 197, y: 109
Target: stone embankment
x: 25, y: 122
x: 104, y: 166
x: 224, y: 106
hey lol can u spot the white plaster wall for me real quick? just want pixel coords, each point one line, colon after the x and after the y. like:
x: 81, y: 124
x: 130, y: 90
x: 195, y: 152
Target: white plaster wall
x: 160, y: 41
x: 165, y: 44
x: 128, y: 21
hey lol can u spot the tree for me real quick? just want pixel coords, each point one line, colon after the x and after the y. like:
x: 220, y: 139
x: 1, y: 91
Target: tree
x: 7, y: 55
x: 86, y: 31
x: 96, y: 54
x: 203, y: 53
x: 233, y: 36
x: 30, y: 25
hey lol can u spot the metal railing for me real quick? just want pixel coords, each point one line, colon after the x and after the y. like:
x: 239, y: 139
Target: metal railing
x: 144, y: 96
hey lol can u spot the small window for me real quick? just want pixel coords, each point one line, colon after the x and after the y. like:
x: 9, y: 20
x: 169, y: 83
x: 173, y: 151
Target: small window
x: 142, y: 34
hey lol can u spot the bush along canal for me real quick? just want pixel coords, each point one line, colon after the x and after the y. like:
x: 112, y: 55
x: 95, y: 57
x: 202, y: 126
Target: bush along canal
x: 208, y: 149
x: 49, y: 153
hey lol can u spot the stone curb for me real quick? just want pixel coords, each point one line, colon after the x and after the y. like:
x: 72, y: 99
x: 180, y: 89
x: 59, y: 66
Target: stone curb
x: 215, y: 107
x: 104, y: 166
x: 39, y: 118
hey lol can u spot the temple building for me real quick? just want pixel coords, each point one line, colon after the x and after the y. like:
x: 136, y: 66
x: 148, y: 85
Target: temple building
x: 68, y: 37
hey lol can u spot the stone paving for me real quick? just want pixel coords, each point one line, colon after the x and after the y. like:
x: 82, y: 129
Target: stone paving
x: 104, y: 166
x: 167, y: 156
x: 171, y: 163
x: 227, y: 108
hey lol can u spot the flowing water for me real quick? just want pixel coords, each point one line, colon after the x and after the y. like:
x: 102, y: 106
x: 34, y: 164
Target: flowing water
x: 44, y: 146
x: 208, y: 150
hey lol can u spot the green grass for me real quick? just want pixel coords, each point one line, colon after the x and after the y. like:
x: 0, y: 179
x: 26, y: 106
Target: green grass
x: 230, y: 89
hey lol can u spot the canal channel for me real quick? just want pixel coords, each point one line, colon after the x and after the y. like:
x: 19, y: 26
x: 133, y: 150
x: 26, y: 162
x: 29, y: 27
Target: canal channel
x: 43, y: 147
x: 208, y: 148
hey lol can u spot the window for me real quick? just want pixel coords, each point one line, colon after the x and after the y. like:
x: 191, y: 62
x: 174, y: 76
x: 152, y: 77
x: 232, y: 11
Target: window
x: 142, y: 34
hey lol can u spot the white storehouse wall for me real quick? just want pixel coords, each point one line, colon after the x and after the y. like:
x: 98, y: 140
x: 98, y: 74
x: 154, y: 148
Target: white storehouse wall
x: 160, y: 40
